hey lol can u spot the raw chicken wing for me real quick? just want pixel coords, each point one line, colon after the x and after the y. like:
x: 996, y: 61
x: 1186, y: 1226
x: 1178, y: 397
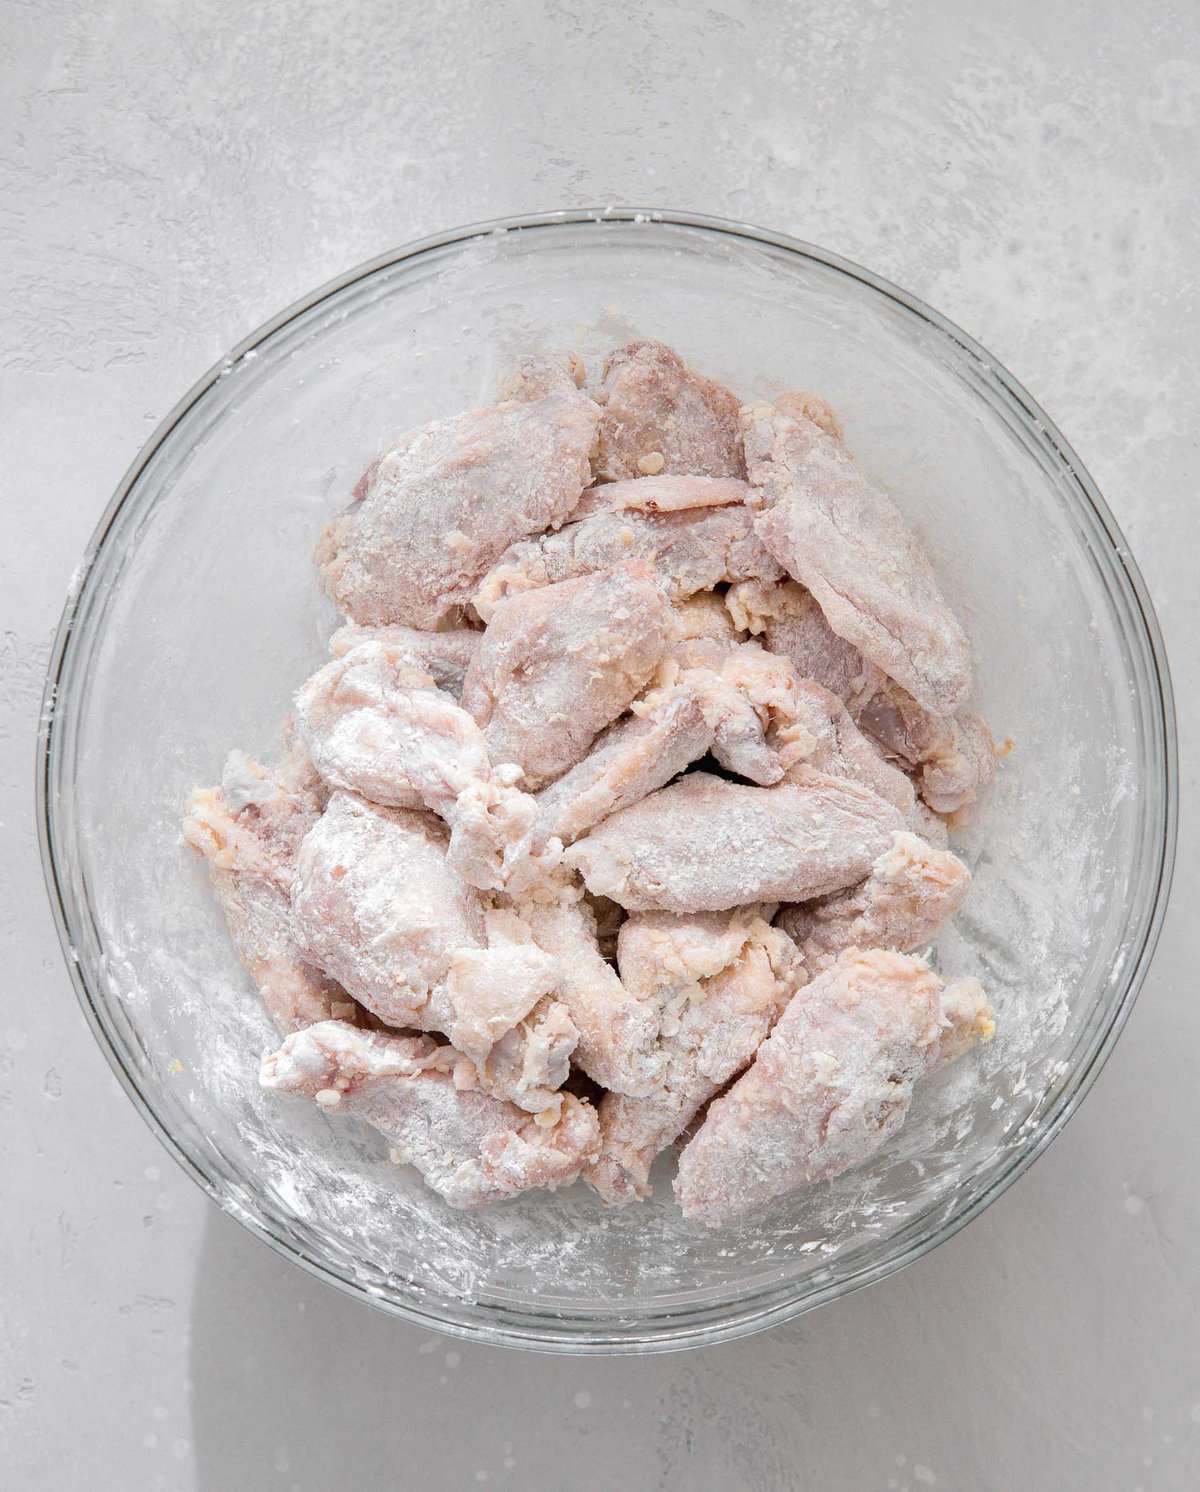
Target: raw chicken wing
x: 439, y: 509
x: 722, y: 981
x: 375, y: 725
x: 617, y: 1030
x: 686, y: 551
x: 469, y: 1147
x: 249, y: 830
x: 750, y: 698
x: 953, y: 756
x: 660, y: 417
x: 703, y: 844
x: 558, y: 665
x: 640, y: 753
x: 745, y: 706
x: 504, y: 1018
x: 768, y: 720
x: 911, y: 891
x: 828, y: 1087
x: 379, y: 727
x: 840, y: 535
x: 378, y: 906
x: 840, y: 749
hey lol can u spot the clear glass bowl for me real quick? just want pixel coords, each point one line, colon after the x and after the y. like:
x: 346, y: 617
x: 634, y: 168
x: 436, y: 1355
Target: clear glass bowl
x: 195, y: 616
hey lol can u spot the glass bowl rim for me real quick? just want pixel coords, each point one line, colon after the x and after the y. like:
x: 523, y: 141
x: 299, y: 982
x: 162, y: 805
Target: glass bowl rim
x: 738, y: 1314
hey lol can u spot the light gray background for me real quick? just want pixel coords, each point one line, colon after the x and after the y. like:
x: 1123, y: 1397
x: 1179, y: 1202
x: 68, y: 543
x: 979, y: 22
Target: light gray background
x: 173, y: 173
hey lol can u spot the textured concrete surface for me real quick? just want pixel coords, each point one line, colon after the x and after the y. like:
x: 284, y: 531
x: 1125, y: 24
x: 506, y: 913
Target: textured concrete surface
x: 170, y: 175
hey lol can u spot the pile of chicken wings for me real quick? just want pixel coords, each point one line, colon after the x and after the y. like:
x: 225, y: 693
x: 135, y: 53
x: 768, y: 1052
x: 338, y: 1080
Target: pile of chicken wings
x: 622, y: 802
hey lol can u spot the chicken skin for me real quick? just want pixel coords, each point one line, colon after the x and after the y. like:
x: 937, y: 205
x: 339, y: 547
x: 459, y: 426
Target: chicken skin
x: 439, y: 509
x: 468, y: 1146
x: 660, y: 417
x: 704, y: 844
x: 249, y: 830
x: 745, y: 706
x: 832, y: 1082
x: 767, y: 719
x: 843, y: 538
